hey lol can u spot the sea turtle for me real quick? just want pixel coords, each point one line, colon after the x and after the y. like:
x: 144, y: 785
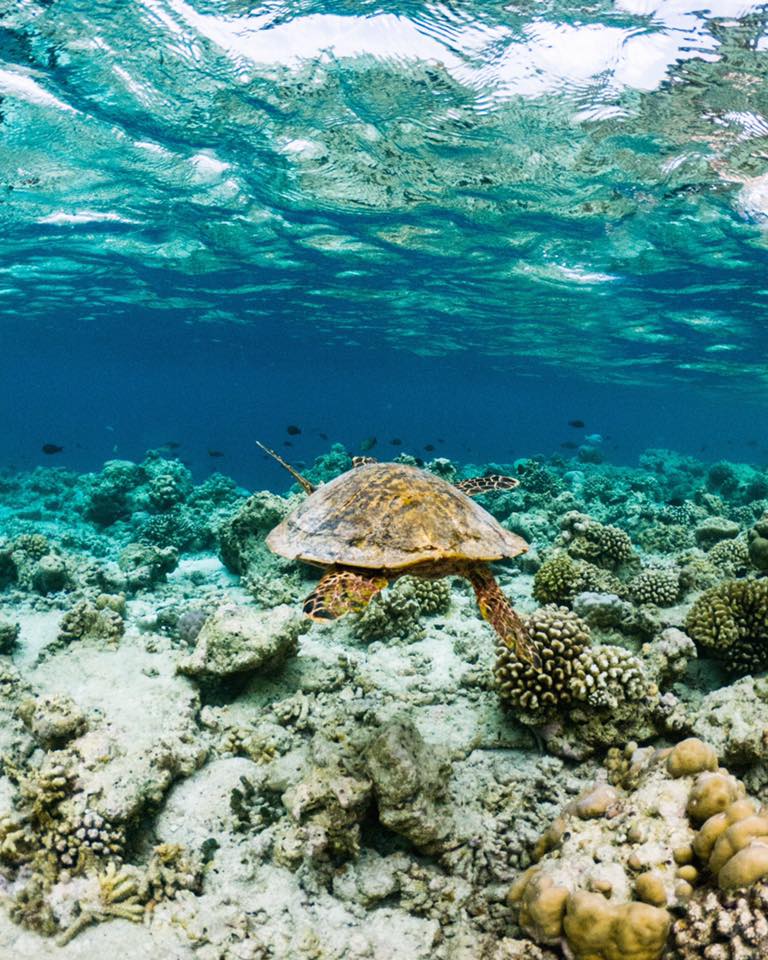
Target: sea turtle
x: 379, y: 521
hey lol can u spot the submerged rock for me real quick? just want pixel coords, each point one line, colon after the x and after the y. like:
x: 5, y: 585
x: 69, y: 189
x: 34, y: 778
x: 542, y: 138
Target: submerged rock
x: 409, y: 780
x: 238, y: 639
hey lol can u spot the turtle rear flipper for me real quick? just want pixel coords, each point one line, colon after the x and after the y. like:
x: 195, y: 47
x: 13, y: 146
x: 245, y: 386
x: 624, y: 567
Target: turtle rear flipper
x: 478, y: 485
x: 499, y: 612
x: 340, y: 592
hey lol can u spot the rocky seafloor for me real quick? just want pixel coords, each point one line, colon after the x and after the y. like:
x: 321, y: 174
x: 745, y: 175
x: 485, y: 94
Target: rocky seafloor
x: 189, y: 768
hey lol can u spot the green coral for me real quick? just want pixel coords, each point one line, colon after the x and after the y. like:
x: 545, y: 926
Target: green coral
x: 397, y: 613
x: 560, y: 578
x: 587, y: 539
x: 731, y: 620
x: 658, y: 586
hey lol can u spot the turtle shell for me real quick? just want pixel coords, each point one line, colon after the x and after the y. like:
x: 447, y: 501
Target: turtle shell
x: 389, y: 516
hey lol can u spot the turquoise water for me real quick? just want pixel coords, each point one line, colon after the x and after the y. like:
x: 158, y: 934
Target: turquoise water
x: 470, y: 222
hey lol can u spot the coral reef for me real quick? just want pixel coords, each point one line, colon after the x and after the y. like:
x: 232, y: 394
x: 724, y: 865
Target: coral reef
x: 191, y: 769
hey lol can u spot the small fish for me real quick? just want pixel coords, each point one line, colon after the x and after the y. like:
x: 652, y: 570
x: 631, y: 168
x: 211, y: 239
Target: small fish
x: 368, y: 444
x: 751, y: 443
x: 215, y: 453
x: 440, y: 440
x: 577, y: 424
x: 51, y: 448
x: 292, y: 430
x: 569, y: 445
x: 594, y: 438
x: 287, y: 443
x: 323, y: 436
x: 429, y: 447
x: 395, y: 442
x: 170, y: 445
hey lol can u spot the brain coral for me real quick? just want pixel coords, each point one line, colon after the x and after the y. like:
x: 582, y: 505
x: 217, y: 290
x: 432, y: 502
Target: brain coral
x: 731, y: 619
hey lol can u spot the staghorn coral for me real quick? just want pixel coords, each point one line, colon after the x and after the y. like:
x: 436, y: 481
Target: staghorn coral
x: 397, y: 613
x: 722, y: 925
x: 170, y: 870
x: 116, y: 894
x: 731, y: 620
x: 658, y: 586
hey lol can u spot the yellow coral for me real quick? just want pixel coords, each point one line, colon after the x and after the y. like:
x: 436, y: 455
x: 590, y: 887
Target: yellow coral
x: 691, y: 756
x: 745, y: 867
x: 599, y: 930
x: 712, y: 793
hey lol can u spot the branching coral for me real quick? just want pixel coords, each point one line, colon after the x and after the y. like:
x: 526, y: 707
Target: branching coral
x: 560, y: 578
x: 660, y: 587
x: 398, y: 612
x: 570, y: 669
x: 731, y: 620
x: 718, y: 925
x: 586, y: 539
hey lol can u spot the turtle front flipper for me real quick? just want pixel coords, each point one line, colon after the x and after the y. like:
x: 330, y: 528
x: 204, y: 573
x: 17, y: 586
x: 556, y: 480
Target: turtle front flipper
x: 477, y: 485
x: 340, y: 592
x: 499, y: 612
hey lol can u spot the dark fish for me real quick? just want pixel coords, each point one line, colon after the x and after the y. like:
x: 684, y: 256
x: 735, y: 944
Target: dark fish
x: 751, y: 443
x: 368, y: 444
x: 569, y: 445
x: 440, y: 440
x: 395, y: 442
x: 323, y: 436
x: 576, y: 423
x: 292, y: 430
x: 170, y: 445
x: 287, y: 443
x: 429, y: 447
x: 51, y: 448
x: 215, y: 453
x: 419, y: 461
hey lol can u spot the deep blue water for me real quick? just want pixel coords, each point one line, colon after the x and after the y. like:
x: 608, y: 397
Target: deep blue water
x: 460, y: 227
